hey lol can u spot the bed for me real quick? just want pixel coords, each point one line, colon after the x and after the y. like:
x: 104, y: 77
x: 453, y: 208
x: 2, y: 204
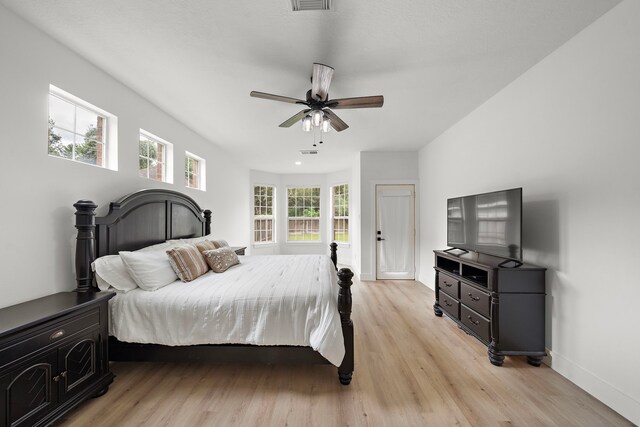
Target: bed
x: 149, y: 217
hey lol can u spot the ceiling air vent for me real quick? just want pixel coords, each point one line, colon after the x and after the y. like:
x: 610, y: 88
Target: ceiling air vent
x: 300, y: 5
x: 304, y: 152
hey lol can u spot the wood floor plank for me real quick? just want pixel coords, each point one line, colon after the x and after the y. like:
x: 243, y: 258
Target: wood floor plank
x: 412, y: 369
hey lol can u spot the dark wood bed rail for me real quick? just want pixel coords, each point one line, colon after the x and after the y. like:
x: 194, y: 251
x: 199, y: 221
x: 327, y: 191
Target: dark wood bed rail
x: 153, y: 216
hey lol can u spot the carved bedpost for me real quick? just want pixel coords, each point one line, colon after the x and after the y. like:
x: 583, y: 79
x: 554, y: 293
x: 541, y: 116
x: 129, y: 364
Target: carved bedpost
x: 334, y: 254
x: 85, y: 211
x: 345, y: 371
x: 207, y: 222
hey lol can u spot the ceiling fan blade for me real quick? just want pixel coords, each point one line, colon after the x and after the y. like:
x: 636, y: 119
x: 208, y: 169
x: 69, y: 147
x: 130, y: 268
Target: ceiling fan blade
x: 360, y: 102
x: 320, y: 81
x: 336, y: 122
x: 276, y: 97
x: 294, y: 119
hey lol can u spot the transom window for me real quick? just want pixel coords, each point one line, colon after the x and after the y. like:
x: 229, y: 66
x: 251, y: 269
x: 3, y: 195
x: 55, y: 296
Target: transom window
x: 263, y: 213
x: 340, y: 203
x: 303, y: 214
x: 194, y: 171
x: 154, y: 157
x: 78, y: 131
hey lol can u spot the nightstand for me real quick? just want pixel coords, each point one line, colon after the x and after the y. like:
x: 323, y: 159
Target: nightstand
x: 53, y: 356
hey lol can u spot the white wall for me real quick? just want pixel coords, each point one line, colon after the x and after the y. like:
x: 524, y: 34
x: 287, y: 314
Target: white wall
x: 568, y: 132
x: 38, y: 191
x: 392, y: 167
x: 355, y: 210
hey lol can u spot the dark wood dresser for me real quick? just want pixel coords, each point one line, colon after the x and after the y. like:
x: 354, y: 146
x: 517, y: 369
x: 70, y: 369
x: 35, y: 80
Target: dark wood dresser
x: 504, y: 307
x: 53, y: 356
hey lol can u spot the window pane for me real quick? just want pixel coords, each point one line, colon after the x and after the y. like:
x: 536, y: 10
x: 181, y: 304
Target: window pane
x: 62, y: 113
x: 143, y: 147
x: 61, y: 143
x: 86, y: 122
x: 86, y: 150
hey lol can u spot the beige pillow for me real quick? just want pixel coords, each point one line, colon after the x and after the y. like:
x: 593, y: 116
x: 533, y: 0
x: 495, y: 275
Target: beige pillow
x: 221, y: 259
x: 220, y: 243
x: 187, y: 262
x: 206, y: 245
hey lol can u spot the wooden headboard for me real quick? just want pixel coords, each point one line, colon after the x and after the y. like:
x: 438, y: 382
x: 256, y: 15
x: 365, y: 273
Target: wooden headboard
x: 139, y: 219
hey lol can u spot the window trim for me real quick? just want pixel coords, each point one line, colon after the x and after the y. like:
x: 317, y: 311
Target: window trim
x: 333, y: 217
x: 319, y: 218
x: 274, y: 235
x: 201, y: 174
x: 168, y: 163
x: 110, y: 129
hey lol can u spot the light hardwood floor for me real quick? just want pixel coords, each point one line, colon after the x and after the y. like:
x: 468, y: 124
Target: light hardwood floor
x: 412, y: 369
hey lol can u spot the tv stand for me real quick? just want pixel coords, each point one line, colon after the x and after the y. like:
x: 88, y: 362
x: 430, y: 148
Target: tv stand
x: 503, y: 307
x: 504, y: 263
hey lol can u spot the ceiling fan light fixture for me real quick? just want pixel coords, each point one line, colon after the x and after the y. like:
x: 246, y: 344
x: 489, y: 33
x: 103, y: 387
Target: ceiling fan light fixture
x: 316, y: 116
x: 326, y: 124
x: 306, y: 124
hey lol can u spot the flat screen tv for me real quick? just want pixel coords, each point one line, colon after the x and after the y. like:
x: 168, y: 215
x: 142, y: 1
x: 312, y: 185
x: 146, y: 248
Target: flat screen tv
x: 489, y: 223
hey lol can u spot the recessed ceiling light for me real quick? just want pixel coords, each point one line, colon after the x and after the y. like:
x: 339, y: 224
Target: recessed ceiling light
x: 298, y: 163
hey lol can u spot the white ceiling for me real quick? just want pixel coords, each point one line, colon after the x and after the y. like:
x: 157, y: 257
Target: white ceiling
x: 433, y: 60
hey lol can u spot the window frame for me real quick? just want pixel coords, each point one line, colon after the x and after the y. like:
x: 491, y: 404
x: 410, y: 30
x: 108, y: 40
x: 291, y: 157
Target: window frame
x: 297, y: 218
x: 168, y: 157
x: 109, y: 141
x: 347, y: 217
x: 272, y: 217
x: 201, y: 173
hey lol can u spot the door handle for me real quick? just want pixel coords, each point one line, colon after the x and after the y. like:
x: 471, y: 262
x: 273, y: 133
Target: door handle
x: 380, y: 238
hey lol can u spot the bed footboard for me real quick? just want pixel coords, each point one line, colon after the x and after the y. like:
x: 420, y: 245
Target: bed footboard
x: 345, y: 371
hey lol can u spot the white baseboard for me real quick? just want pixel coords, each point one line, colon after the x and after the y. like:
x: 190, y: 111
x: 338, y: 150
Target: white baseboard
x: 367, y: 277
x: 616, y: 399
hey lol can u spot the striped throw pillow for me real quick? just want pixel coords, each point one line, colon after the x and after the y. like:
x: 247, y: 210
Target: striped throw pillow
x: 206, y: 245
x: 187, y: 262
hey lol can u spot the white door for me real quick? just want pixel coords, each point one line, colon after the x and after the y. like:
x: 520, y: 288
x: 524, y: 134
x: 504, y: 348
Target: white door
x: 395, y: 232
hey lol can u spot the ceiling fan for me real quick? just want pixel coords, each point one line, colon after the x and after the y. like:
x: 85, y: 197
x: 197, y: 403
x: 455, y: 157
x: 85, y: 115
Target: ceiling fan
x: 319, y: 105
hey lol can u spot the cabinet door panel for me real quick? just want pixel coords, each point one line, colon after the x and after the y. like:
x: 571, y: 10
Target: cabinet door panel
x: 26, y: 391
x: 78, y: 364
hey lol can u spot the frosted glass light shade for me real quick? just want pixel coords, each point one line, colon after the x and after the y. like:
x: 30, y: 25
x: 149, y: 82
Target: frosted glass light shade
x: 306, y: 124
x: 316, y: 116
x: 326, y: 124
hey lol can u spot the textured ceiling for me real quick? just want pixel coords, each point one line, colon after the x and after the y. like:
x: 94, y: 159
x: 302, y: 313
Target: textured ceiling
x: 433, y: 60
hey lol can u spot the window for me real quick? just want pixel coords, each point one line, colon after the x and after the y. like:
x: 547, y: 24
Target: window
x: 194, y: 171
x: 155, y: 157
x: 263, y: 214
x: 340, y: 203
x: 79, y: 131
x: 303, y: 214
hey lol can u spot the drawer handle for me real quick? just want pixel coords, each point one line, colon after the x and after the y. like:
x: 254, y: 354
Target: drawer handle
x: 475, y: 322
x: 447, y: 303
x: 56, y: 378
x: 448, y: 285
x: 473, y: 298
x: 57, y: 334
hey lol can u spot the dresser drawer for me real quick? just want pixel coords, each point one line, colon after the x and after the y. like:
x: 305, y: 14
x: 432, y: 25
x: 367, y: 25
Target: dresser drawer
x: 449, y: 285
x: 450, y: 305
x: 476, y: 323
x: 475, y: 299
x: 55, y: 332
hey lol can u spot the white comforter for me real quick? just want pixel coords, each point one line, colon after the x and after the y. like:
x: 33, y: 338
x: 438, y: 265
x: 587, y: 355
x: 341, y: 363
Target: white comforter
x: 265, y: 300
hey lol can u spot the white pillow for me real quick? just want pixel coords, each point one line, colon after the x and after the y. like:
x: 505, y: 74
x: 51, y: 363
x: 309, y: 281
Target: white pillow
x: 158, y: 247
x: 111, y: 274
x: 192, y: 240
x: 150, y: 270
